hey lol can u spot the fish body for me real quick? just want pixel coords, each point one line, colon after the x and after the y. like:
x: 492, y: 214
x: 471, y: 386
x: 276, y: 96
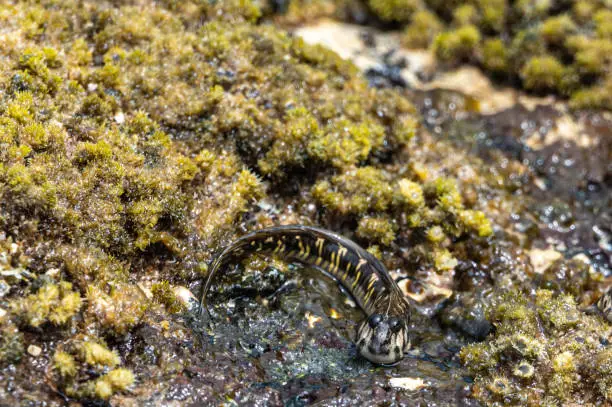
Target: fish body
x: 382, y: 337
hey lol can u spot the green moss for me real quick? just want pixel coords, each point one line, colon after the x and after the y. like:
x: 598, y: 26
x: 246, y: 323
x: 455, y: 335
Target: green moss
x: 603, y: 367
x: 64, y: 364
x: 377, y: 229
x: 603, y: 23
x: 583, y: 10
x: 423, y: 28
x: 164, y: 294
x: 346, y: 144
x: 443, y: 260
x: 554, y: 30
x: 55, y: 303
x: 88, y: 369
x: 592, y: 56
x: 97, y: 355
x: 290, y: 146
x: 494, y: 14
x: 458, y: 45
x: 543, y: 350
x: 435, y: 234
x: 11, y: 343
x: 595, y: 97
x: 495, y: 55
x: 114, y: 381
x: 466, y: 14
x: 356, y: 191
x: 533, y: 9
x: 542, y: 73
x: 119, y: 311
x: 394, y: 10
x: 476, y: 221
x: 408, y: 194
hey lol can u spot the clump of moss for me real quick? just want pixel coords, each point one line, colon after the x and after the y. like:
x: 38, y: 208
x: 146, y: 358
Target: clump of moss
x: 423, y: 28
x: 542, y: 73
x: 465, y: 14
x: 409, y: 194
x: 289, y: 147
x: 495, y: 55
x: 544, y: 349
x: 594, y: 97
x: 164, y: 294
x: 394, y: 10
x: 513, y: 40
x: 356, y: 191
x: 87, y: 369
x: 377, y: 229
x: 344, y: 143
x: 435, y: 209
x: 458, y: 45
x: 11, y: 343
x: 54, y: 303
x: 555, y: 30
x: 119, y: 311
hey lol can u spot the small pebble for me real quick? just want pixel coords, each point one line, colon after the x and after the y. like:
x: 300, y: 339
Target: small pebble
x: 407, y: 383
x: 120, y: 118
x: 34, y: 350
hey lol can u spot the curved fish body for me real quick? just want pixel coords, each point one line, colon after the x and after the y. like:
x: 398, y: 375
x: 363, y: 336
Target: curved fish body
x: 604, y: 304
x: 383, y: 337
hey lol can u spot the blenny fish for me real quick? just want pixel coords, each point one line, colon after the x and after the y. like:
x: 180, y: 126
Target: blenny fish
x: 382, y: 337
x: 604, y: 305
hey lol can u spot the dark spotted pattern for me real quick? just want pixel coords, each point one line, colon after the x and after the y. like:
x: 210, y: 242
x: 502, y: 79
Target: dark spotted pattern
x: 383, y: 336
x: 604, y: 304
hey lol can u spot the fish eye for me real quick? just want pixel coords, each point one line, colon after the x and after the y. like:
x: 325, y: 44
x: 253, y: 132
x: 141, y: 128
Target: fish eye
x: 395, y: 325
x: 374, y: 320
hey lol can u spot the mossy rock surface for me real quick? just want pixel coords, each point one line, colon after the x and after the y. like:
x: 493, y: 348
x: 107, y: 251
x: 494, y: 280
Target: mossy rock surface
x: 136, y: 140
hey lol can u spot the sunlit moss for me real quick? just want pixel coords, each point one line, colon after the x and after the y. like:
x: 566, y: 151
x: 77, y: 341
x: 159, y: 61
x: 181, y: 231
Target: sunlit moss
x: 377, y: 229
x: 118, y: 311
x: 163, y: 293
x: 74, y: 365
x: 542, y: 73
x: 65, y: 364
x: 409, y: 193
x: 542, y: 349
x: 55, y: 303
x: 457, y: 45
x: 114, y: 381
x: 466, y: 14
x: 423, y: 28
x: 555, y: 29
x: 356, y: 191
x: 394, y: 10
x: 495, y: 55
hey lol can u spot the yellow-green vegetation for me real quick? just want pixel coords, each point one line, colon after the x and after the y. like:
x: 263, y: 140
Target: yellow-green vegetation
x: 395, y: 10
x: 542, y: 73
x: 164, y: 294
x: 116, y: 313
x: 54, y: 303
x: 561, y: 48
x: 379, y: 229
x: 544, y: 351
x: 135, y: 140
x: 425, y: 26
x: 434, y: 210
x: 88, y: 369
x: 457, y: 45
